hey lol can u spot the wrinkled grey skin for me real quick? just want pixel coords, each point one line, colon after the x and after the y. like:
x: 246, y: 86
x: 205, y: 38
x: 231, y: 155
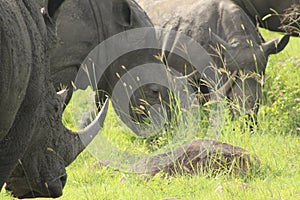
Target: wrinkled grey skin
x: 258, y: 9
x: 213, y: 23
x: 37, y: 142
x: 23, y: 66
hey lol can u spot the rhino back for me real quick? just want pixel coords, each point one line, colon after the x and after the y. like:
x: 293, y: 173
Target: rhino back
x: 257, y: 10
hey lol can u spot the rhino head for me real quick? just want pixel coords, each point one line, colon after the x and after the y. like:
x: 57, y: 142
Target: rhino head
x: 81, y: 27
x: 85, y: 24
x: 250, y: 57
x: 41, y: 171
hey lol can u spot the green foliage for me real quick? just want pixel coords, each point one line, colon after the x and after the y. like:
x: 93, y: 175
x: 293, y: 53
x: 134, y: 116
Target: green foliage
x: 281, y: 109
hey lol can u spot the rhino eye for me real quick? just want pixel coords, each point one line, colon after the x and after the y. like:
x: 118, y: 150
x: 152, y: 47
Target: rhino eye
x: 154, y: 89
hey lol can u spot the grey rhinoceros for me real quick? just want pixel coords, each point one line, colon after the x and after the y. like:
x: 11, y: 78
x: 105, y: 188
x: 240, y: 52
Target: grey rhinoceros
x: 80, y: 26
x: 225, y: 32
x: 32, y: 134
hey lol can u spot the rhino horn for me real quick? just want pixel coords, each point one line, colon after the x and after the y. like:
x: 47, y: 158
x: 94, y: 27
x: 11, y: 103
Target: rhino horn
x: 222, y: 91
x: 76, y: 142
x: 276, y: 45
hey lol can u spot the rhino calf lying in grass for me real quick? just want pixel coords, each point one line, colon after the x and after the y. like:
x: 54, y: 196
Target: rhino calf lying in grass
x: 198, y: 156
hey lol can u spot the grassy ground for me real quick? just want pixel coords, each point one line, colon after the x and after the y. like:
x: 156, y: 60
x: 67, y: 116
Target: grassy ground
x: 276, y: 141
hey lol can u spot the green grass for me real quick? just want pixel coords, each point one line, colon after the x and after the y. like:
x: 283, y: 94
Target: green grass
x: 275, y: 141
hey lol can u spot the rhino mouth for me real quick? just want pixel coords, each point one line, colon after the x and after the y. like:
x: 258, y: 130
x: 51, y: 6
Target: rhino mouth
x: 34, y: 194
x: 22, y: 188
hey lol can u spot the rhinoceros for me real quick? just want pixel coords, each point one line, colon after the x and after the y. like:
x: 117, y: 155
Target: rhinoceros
x: 80, y: 26
x: 222, y: 25
x: 35, y: 146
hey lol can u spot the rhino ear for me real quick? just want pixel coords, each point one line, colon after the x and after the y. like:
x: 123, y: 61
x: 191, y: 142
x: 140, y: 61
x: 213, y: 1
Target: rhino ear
x: 121, y: 12
x: 215, y: 39
x: 52, y: 7
x: 276, y: 45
